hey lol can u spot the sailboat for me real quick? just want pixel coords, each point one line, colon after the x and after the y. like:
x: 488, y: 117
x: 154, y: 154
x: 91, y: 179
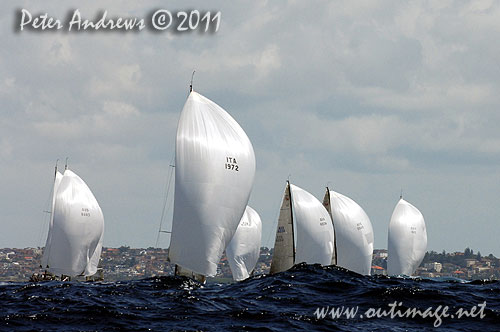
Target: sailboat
x: 74, y: 242
x: 214, y: 174
x: 244, y: 249
x: 309, y: 239
x: 353, y: 232
x: 407, y: 239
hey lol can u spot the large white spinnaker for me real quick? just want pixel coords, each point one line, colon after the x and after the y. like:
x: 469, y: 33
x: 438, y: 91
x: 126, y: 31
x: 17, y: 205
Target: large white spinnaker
x: 314, y: 232
x: 48, y: 244
x: 353, y: 232
x: 407, y: 239
x: 214, y: 173
x: 244, y: 249
x: 77, y: 230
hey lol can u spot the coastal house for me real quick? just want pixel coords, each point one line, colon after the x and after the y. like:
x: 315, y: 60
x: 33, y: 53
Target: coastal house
x: 378, y: 270
x: 434, y: 266
x: 470, y: 262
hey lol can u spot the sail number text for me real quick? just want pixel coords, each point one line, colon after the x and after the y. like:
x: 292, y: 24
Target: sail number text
x: 231, y: 164
x: 85, y: 212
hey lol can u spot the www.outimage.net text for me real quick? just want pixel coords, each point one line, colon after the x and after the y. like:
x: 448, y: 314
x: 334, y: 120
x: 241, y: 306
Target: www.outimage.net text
x: 395, y: 310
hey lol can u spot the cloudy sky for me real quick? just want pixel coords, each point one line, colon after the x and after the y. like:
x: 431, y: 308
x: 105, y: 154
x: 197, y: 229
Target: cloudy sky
x: 364, y: 97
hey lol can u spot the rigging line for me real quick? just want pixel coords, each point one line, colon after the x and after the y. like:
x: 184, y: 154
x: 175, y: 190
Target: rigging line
x: 275, y: 224
x: 46, y: 211
x: 45, y: 223
x: 167, y: 190
x: 274, y: 228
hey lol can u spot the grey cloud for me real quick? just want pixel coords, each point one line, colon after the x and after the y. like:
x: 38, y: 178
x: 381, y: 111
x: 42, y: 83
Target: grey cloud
x: 368, y: 96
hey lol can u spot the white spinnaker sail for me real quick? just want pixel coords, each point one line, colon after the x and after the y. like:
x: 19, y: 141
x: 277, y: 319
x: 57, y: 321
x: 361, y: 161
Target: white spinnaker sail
x: 353, y: 233
x: 78, y: 226
x: 407, y: 239
x: 314, y: 230
x: 244, y: 249
x: 214, y: 173
x: 48, y: 243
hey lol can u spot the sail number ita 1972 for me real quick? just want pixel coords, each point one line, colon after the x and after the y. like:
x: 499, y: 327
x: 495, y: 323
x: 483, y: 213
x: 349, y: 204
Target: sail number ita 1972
x: 231, y: 164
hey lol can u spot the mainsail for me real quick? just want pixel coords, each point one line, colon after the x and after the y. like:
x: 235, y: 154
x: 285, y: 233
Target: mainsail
x: 353, y: 232
x: 48, y: 244
x: 407, y: 239
x: 284, y: 244
x: 214, y: 173
x: 76, y: 232
x: 244, y: 249
x: 313, y: 231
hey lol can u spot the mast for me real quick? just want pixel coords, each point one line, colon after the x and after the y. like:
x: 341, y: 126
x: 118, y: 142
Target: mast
x: 294, y: 251
x: 55, y: 169
x: 191, y: 84
x: 327, y: 203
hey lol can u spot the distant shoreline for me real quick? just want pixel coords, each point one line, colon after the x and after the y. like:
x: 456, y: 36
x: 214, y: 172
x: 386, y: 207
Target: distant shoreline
x: 125, y: 263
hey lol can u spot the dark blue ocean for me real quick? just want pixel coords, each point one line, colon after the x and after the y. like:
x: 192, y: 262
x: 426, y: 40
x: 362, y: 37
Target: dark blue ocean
x: 284, y: 302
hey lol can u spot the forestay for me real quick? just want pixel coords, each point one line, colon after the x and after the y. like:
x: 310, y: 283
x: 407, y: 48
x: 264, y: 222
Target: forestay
x: 77, y: 229
x: 244, y: 249
x: 407, y: 239
x: 214, y: 173
x: 353, y: 232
